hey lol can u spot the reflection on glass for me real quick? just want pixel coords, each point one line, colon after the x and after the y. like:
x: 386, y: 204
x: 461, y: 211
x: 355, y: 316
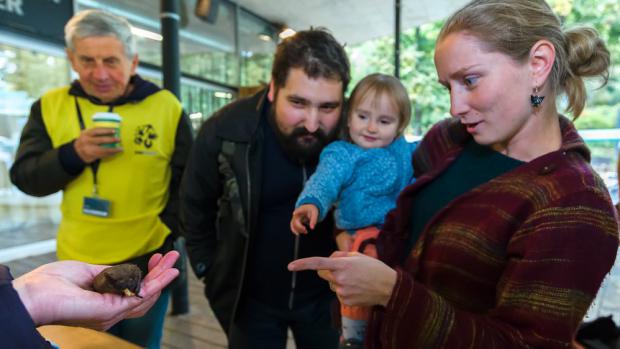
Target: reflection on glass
x: 217, y: 66
x: 257, y: 44
x: 199, y: 100
x: 207, y: 50
x: 24, y: 76
x: 200, y: 103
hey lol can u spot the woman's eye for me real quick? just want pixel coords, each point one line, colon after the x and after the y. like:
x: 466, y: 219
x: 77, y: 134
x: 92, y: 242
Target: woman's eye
x: 470, y: 80
x: 362, y: 116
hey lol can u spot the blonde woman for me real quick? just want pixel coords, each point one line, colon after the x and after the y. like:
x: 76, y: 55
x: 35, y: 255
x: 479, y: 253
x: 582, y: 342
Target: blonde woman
x: 507, y: 233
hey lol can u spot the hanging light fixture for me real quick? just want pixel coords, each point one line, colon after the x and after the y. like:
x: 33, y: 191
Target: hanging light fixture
x: 207, y: 10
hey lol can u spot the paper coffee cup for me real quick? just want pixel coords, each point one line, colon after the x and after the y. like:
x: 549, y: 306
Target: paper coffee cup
x: 109, y: 120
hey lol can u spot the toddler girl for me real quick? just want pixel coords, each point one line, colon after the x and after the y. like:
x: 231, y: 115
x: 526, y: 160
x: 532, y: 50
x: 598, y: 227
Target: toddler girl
x: 362, y: 177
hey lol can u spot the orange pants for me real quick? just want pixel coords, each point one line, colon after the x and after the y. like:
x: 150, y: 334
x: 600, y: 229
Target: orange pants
x: 363, y: 241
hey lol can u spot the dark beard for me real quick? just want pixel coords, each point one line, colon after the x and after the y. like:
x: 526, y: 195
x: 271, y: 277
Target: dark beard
x: 298, y: 146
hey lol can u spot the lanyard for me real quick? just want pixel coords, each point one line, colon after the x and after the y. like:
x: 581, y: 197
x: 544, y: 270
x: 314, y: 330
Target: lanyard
x: 94, y: 166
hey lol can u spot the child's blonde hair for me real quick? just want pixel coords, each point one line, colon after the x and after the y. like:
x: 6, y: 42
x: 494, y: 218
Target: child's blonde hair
x: 376, y: 85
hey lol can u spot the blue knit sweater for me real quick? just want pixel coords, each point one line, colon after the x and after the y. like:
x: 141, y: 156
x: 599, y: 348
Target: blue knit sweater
x: 364, y: 183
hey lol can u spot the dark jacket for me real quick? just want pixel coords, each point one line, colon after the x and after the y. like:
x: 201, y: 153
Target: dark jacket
x: 41, y: 170
x: 220, y: 198
x: 513, y: 263
x: 17, y: 330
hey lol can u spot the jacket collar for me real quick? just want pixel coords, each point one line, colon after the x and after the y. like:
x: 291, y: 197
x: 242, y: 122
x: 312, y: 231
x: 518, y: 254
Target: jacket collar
x: 141, y: 90
x: 571, y: 140
x: 244, y: 117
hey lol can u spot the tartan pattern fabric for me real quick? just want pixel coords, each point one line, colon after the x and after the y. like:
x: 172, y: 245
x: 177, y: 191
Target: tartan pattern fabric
x: 513, y: 263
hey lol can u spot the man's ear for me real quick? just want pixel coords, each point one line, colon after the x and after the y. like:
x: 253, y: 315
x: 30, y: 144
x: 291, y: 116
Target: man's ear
x: 271, y: 92
x: 542, y: 57
x: 134, y: 64
x: 70, y: 56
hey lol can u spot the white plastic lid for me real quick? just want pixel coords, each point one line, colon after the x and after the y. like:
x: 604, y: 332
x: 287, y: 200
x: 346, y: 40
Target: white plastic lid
x: 105, y: 116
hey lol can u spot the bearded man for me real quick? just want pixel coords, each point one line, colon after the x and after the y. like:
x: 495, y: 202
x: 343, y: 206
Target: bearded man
x: 249, y: 164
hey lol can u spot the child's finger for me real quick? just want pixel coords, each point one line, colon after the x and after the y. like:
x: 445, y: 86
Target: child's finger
x: 297, y: 227
x: 305, y: 223
x: 292, y: 226
x: 313, y: 219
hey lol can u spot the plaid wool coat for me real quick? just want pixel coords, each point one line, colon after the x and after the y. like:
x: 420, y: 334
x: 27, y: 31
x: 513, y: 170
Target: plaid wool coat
x: 513, y: 263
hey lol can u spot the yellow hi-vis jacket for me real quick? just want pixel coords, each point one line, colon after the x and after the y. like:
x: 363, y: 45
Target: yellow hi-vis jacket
x: 135, y: 181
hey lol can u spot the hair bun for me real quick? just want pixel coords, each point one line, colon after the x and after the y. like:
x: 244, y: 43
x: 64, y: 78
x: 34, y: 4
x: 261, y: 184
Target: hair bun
x: 587, y: 53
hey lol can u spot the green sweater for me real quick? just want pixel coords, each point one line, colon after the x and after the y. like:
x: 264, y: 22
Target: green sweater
x: 476, y: 165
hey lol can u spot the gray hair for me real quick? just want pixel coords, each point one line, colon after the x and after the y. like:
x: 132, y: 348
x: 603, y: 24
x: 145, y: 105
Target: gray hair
x: 90, y: 23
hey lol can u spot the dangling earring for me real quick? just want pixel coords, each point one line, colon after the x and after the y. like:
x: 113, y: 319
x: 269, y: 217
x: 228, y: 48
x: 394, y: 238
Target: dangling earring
x: 535, y: 99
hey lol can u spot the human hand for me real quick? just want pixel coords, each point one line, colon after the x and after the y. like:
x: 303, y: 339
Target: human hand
x: 357, y: 279
x: 344, y: 241
x: 304, y: 217
x: 61, y: 293
x: 88, y: 144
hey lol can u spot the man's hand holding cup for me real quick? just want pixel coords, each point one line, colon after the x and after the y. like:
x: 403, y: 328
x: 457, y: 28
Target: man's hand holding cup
x: 100, y: 141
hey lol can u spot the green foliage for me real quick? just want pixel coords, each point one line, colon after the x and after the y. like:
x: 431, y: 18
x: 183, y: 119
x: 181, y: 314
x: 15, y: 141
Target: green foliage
x: 255, y: 70
x: 431, y: 102
x: 214, y: 65
x: 599, y: 116
x: 31, y: 71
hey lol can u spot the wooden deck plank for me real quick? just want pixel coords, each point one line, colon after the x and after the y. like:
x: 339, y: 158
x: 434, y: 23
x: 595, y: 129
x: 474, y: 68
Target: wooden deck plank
x: 25, y: 232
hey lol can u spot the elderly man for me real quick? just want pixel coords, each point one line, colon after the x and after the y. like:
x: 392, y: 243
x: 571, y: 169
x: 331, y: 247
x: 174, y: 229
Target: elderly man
x: 249, y: 165
x: 119, y: 189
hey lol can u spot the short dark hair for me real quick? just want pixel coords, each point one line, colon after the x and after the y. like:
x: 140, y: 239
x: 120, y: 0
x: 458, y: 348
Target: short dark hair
x: 317, y: 52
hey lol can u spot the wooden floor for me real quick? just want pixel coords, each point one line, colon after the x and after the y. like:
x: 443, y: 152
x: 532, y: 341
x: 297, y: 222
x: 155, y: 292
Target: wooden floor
x: 198, y: 329
x: 20, y: 233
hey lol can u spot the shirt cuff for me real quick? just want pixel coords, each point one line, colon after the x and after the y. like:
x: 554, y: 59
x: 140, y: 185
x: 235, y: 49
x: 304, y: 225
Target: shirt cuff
x: 70, y: 160
x: 17, y: 329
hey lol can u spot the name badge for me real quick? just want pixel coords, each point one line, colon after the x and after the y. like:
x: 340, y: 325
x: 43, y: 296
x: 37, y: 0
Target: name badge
x: 94, y: 206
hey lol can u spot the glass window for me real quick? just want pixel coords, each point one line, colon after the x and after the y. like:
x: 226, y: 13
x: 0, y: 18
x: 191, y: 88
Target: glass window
x: 143, y: 16
x: 25, y: 74
x: 200, y: 100
x: 209, y: 52
x: 207, y: 49
x: 257, y: 44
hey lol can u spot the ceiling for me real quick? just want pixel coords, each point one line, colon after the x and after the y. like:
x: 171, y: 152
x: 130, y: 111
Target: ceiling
x: 351, y: 21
